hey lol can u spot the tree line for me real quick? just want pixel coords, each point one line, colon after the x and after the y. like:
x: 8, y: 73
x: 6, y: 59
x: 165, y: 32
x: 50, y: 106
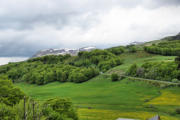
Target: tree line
x: 62, y: 68
x: 164, y: 71
x: 167, y: 48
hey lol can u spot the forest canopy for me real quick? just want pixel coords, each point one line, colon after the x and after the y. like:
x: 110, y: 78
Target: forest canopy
x: 167, y: 48
x: 62, y: 68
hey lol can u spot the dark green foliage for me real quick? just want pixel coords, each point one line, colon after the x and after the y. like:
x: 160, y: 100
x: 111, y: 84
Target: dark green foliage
x: 177, y: 60
x: 175, y: 80
x: 106, y: 65
x: 132, y: 70
x: 121, y: 77
x: 178, y: 111
x: 6, y: 112
x: 46, y: 69
x: 50, y: 59
x: 170, y: 48
x: 114, y: 77
x: 165, y: 71
x: 59, y: 109
x: 132, y: 49
x: 117, y: 50
x: 9, y: 95
x: 53, y: 109
x: 77, y: 77
x: 94, y: 58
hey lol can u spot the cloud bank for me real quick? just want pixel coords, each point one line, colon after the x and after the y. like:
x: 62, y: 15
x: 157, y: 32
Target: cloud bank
x: 27, y: 26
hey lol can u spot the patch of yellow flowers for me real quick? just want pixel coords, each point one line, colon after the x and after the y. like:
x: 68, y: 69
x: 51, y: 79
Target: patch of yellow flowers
x: 167, y: 98
x: 99, y: 114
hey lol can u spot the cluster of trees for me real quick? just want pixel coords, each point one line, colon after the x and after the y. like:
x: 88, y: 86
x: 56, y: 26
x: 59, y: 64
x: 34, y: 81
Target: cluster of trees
x: 39, y: 73
x: 28, y: 109
x: 15, y: 105
x: 61, y: 68
x: 9, y: 95
x: 117, y: 50
x: 102, y: 59
x: 170, y: 48
x: 165, y: 71
x: 122, y: 49
x: 131, y: 48
x: 162, y: 51
x: 51, y: 59
x: 59, y: 109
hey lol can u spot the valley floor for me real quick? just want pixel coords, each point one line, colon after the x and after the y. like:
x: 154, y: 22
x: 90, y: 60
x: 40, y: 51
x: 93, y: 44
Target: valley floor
x: 102, y: 99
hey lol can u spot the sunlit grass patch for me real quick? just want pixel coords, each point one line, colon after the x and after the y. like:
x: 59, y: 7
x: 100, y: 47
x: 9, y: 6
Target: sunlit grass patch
x: 99, y: 114
x: 167, y: 98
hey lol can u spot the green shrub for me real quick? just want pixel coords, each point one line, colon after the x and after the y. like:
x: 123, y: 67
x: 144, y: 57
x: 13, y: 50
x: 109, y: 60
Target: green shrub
x: 121, y: 77
x: 175, y: 80
x: 164, y: 71
x: 132, y: 49
x: 170, y: 48
x: 178, y: 111
x: 59, y: 109
x: 33, y: 109
x: 6, y: 112
x: 117, y: 50
x: 132, y: 70
x: 52, y: 109
x: 9, y: 95
x: 114, y: 77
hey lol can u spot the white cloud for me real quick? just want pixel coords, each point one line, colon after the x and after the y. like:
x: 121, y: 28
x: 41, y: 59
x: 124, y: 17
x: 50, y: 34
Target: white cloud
x: 121, y: 26
x: 30, y: 25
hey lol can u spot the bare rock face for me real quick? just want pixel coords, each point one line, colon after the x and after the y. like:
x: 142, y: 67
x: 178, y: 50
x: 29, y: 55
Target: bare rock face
x: 65, y: 51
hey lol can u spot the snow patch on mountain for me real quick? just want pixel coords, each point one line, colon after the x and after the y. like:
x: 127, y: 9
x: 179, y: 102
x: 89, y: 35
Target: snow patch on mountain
x: 63, y: 51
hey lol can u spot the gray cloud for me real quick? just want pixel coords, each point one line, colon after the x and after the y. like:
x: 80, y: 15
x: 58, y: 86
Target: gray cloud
x: 27, y: 26
x: 25, y: 14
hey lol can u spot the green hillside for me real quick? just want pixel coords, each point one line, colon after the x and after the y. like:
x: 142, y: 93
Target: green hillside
x: 100, y: 98
x: 147, y: 80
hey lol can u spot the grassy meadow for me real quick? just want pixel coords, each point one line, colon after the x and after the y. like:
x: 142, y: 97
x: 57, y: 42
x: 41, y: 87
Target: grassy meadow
x: 100, y: 98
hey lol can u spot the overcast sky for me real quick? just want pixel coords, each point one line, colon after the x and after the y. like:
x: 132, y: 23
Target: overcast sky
x: 27, y: 26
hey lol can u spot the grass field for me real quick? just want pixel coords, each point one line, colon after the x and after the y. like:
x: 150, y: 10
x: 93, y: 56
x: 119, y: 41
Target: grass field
x: 139, y: 58
x: 100, y: 98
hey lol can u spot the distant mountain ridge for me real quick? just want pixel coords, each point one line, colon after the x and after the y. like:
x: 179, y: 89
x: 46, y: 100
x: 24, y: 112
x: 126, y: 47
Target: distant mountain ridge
x: 63, y: 51
x: 175, y: 37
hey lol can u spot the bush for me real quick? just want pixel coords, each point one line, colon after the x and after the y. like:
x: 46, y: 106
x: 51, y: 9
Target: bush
x: 6, y: 112
x: 178, y: 110
x: 132, y: 49
x: 175, y: 80
x: 140, y: 72
x: 9, y: 95
x: 59, y: 109
x: 164, y: 71
x: 122, y: 77
x: 132, y: 70
x: 114, y: 77
x: 52, y: 109
x: 33, y: 110
x: 117, y: 50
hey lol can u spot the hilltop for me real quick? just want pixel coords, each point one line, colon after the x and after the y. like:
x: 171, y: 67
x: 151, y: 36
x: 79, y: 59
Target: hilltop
x: 168, y: 38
